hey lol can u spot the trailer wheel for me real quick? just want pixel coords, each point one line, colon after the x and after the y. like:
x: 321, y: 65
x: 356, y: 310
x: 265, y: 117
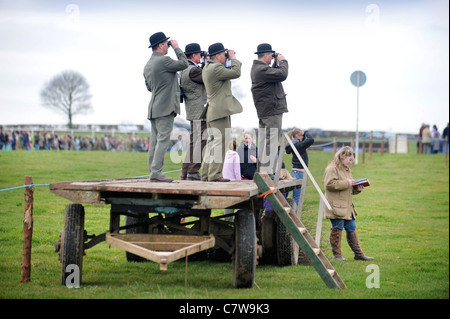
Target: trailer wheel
x: 244, y: 261
x: 287, y: 247
x: 129, y: 220
x: 268, y: 239
x: 72, y: 240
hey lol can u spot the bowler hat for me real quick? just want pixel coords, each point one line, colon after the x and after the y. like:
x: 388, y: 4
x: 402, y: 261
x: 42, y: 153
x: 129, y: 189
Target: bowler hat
x: 216, y: 48
x: 192, y: 48
x: 157, y: 38
x: 264, y: 48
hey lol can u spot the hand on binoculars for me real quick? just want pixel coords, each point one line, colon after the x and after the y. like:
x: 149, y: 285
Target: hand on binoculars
x: 174, y: 44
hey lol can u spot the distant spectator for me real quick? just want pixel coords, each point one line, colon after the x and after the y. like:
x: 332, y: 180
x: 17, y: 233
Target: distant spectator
x: 426, y: 140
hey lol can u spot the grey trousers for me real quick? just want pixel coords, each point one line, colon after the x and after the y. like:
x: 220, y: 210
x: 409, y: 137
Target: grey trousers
x: 219, y: 135
x: 159, y: 142
x: 268, y: 137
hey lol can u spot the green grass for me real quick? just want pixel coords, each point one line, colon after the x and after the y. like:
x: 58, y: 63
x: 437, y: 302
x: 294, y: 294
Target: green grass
x: 403, y: 222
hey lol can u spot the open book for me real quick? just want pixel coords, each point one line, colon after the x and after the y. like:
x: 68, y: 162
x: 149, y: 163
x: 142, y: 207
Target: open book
x: 363, y: 181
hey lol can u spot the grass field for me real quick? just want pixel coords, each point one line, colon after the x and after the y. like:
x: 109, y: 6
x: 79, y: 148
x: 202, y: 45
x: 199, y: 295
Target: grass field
x: 403, y: 222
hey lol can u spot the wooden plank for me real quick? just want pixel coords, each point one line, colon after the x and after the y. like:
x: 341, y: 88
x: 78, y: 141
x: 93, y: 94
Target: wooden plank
x: 232, y: 188
x: 143, y: 245
x: 202, y: 195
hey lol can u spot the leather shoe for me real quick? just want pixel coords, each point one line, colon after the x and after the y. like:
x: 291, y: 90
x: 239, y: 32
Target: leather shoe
x: 194, y: 177
x: 161, y: 179
x: 222, y: 180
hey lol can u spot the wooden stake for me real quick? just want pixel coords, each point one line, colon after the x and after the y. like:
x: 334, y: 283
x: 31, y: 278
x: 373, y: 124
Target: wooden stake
x: 185, y: 275
x: 27, y: 230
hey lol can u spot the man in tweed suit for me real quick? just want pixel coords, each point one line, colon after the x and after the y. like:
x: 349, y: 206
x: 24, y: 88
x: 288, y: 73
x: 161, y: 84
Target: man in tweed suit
x: 161, y: 78
x: 221, y: 105
x: 194, y: 100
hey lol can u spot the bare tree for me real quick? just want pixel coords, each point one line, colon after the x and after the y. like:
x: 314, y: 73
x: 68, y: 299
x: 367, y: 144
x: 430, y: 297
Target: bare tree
x: 67, y: 92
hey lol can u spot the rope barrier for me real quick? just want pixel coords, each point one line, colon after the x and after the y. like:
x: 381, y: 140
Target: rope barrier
x: 23, y: 186
x: 265, y: 194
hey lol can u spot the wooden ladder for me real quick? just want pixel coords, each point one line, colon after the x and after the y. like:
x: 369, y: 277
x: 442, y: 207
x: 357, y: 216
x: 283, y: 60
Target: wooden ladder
x: 298, y: 231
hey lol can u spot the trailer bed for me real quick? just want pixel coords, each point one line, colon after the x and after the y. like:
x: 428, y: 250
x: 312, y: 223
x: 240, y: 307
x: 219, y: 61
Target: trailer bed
x: 195, y: 194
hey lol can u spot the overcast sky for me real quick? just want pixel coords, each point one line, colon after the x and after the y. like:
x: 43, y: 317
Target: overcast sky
x: 401, y: 46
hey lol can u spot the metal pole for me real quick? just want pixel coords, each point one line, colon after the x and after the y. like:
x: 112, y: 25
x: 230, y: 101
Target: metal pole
x: 357, y: 117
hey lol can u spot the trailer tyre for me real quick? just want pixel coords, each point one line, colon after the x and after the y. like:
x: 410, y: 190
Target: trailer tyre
x: 72, y: 248
x: 244, y: 261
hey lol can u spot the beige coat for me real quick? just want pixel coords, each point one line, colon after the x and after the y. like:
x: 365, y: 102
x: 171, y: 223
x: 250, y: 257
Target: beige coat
x: 221, y: 102
x: 339, y: 193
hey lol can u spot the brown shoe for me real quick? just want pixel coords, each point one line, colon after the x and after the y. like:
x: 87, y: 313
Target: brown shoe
x: 222, y: 180
x: 161, y: 179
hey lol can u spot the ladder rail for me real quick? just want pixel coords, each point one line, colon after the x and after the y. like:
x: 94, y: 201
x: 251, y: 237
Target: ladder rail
x: 307, y: 171
x: 300, y: 234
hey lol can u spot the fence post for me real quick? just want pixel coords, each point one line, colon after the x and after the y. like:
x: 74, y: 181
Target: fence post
x: 27, y: 230
x: 382, y: 145
x: 370, y: 145
x: 364, y: 150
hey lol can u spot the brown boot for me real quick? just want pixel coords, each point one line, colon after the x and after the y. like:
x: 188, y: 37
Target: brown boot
x: 335, y: 241
x: 352, y: 239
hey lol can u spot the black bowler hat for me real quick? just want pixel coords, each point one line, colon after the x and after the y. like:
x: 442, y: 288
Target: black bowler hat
x: 264, y: 48
x: 216, y: 48
x: 192, y: 48
x: 157, y: 38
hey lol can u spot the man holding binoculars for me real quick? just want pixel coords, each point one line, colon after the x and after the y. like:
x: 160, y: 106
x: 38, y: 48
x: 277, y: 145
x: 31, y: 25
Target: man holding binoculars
x: 270, y: 103
x: 221, y: 105
x: 161, y: 79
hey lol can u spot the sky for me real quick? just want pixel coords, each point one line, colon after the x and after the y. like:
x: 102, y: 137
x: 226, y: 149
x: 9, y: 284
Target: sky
x: 401, y: 46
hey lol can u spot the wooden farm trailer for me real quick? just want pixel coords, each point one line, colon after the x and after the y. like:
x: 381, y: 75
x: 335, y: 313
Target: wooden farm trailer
x: 168, y: 221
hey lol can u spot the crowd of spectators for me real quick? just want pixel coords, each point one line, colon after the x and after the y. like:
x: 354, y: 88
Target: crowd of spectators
x: 45, y: 140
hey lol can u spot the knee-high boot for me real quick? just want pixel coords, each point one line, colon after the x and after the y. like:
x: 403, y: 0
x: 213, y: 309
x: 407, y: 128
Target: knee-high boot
x: 353, y: 242
x: 335, y: 241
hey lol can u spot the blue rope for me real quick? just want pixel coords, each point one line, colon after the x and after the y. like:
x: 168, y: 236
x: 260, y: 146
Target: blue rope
x: 24, y: 186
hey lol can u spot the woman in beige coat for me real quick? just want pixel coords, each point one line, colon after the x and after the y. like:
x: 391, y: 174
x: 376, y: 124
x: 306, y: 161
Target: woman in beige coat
x: 339, y: 192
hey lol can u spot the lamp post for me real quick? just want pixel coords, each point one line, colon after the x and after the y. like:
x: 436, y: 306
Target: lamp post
x: 358, y: 78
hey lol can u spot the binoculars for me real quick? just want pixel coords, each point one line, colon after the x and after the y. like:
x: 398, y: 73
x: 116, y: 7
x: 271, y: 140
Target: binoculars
x: 227, y: 55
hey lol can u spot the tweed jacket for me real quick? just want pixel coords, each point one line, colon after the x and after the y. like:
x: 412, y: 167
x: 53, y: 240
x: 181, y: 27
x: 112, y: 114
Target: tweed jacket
x: 161, y: 79
x: 267, y: 90
x: 194, y: 92
x: 220, y: 100
x: 339, y: 193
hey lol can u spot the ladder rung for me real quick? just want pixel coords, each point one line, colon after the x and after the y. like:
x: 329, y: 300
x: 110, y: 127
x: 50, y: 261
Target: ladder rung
x: 287, y: 209
x: 331, y: 272
x: 316, y: 251
x: 302, y: 229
